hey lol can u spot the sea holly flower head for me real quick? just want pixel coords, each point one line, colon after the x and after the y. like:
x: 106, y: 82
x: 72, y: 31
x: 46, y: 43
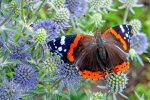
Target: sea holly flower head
x: 10, y: 91
x: 98, y: 96
x: 12, y: 5
x: 58, y: 3
x: 67, y: 75
x: 97, y: 19
x: 50, y: 27
x: 17, y: 52
x: 40, y: 37
x: 116, y: 82
x: 76, y: 7
x: 62, y: 18
x: 26, y: 76
x: 51, y: 63
x: 98, y: 5
x: 129, y: 4
x: 107, y: 5
x: 136, y: 24
x: 139, y: 42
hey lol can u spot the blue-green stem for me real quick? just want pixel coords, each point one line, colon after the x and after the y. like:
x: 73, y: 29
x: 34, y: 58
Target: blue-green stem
x: 36, y: 12
x: 10, y: 14
x: 22, y: 11
x: 125, y: 15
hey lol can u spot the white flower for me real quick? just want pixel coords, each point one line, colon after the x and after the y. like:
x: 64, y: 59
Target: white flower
x: 97, y: 19
x: 130, y: 4
x: 107, y: 5
x: 136, y: 24
x: 100, y: 5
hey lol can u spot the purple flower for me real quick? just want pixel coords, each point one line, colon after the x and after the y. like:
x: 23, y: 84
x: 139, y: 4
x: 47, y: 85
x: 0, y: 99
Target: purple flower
x: 76, y: 7
x: 49, y: 26
x: 16, y: 52
x: 139, y: 42
x: 67, y: 75
x: 10, y: 91
x: 26, y: 76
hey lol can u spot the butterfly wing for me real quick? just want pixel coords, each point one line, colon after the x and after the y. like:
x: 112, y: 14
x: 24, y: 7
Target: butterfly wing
x: 88, y: 60
x: 93, y: 60
x: 66, y: 46
x: 117, y: 47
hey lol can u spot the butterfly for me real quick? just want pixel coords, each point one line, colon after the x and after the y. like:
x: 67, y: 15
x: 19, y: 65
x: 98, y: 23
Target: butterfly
x: 95, y: 55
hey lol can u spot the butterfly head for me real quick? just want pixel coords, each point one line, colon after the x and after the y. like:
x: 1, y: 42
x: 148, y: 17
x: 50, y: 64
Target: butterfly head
x: 98, y: 39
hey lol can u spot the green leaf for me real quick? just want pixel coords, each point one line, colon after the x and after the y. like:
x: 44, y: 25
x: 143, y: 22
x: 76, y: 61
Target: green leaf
x: 3, y: 35
x: 13, y: 43
x: 9, y: 74
x: 65, y: 95
x: 13, y: 61
x: 40, y: 74
x: 7, y: 48
x: 26, y: 48
x: 14, y: 29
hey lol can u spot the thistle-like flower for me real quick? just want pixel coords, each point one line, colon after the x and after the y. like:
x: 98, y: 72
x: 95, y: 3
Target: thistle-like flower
x: 40, y: 37
x: 51, y: 63
x: 136, y: 24
x: 129, y: 4
x: 62, y: 18
x: 97, y: 19
x: 10, y: 91
x: 58, y: 3
x: 49, y: 26
x: 96, y: 4
x: 17, y: 52
x: 107, y: 5
x: 67, y: 75
x: 76, y: 7
x: 100, y: 5
x: 26, y: 76
x: 139, y: 42
x: 98, y: 96
x: 12, y: 5
x: 116, y: 82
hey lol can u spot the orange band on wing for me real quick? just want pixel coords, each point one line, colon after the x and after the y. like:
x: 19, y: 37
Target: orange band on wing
x: 92, y: 75
x: 72, y: 46
x: 120, y: 68
x: 111, y: 30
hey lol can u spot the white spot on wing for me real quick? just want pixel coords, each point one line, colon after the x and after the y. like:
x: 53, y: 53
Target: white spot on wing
x: 60, y: 49
x: 65, y: 50
x: 127, y: 35
x: 122, y: 29
x: 62, y: 41
x: 55, y: 47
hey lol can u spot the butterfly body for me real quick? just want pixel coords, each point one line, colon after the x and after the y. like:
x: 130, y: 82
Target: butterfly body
x: 94, y: 55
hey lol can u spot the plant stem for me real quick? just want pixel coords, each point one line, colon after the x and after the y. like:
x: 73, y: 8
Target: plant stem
x: 125, y: 15
x: 36, y: 12
x: 5, y: 20
x: 22, y: 11
x: 0, y: 4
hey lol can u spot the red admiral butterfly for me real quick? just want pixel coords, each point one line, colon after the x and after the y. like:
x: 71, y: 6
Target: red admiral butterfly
x: 94, y: 55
